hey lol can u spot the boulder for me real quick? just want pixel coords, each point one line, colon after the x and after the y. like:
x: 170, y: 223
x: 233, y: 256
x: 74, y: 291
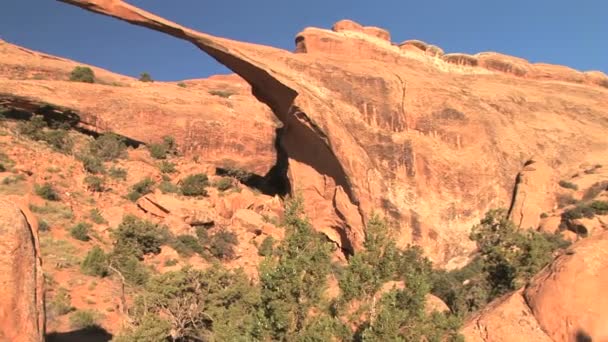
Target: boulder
x: 22, y: 317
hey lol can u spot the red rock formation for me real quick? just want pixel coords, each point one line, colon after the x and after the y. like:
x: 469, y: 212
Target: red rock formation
x: 564, y: 302
x: 21, y: 278
x: 431, y: 144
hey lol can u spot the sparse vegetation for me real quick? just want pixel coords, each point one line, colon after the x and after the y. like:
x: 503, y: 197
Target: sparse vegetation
x: 194, y: 185
x: 141, y: 188
x: 564, y: 200
x: 222, y: 93
x: 167, y: 187
x: 568, y: 185
x: 95, y: 263
x: 94, y: 183
x: 187, y: 245
x: 81, y: 231
x: 92, y: 164
x: 182, y: 85
x: 96, y: 217
x: 223, y: 184
x: 138, y: 237
x: 82, y: 74
x: 47, y: 191
x: 221, y: 244
x: 595, y: 190
x: 37, y: 129
x: 84, y: 319
x: 266, y: 247
x: 118, y: 173
x: 166, y: 167
x: 107, y: 147
x: 60, y: 304
x: 145, y: 77
x: 163, y: 149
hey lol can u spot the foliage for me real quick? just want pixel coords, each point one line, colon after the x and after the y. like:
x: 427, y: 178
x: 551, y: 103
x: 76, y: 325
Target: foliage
x: 43, y: 226
x: 167, y: 187
x: 222, y: 93
x: 37, y: 129
x: 84, y: 319
x: 96, y: 217
x: 118, y: 173
x: 138, y: 237
x: 141, y: 188
x: 92, y: 164
x: 60, y: 304
x: 266, y: 247
x: 94, y: 183
x: 223, y: 184
x: 166, y: 167
x: 150, y: 328
x: 182, y: 85
x: 108, y: 147
x: 194, y: 185
x: 187, y: 245
x: 595, y: 190
x: 145, y: 77
x: 95, y: 263
x: 221, y: 244
x: 47, y: 191
x: 568, y: 185
x: 82, y: 74
x: 81, y: 231
x: 164, y: 148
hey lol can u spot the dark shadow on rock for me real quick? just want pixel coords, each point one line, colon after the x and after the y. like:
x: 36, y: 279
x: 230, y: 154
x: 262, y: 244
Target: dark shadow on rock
x: 95, y: 334
x: 581, y: 336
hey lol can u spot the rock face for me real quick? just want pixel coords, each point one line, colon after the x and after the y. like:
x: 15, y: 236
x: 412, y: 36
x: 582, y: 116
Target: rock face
x: 565, y: 302
x: 433, y: 143
x: 21, y: 278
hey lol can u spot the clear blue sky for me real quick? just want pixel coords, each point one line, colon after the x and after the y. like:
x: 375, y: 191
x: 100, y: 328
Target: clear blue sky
x: 573, y: 33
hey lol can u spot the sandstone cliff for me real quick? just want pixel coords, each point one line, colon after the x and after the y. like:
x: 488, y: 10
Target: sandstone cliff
x: 433, y: 140
x: 21, y: 279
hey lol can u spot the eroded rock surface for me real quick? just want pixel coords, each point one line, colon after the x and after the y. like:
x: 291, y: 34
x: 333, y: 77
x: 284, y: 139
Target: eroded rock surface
x: 21, y: 279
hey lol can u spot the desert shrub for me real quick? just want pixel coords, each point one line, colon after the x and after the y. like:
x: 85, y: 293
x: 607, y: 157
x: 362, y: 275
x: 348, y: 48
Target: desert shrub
x: 194, y: 185
x: 187, y: 245
x: 84, y: 319
x: 37, y: 129
x: 108, y: 147
x: 60, y: 304
x: 182, y: 84
x: 94, y: 183
x: 82, y: 74
x: 568, y: 185
x: 202, y: 234
x: 578, y: 212
x: 139, y: 237
x: 564, y: 200
x: 134, y: 271
x: 266, y: 247
x: 95, y: 216
x: 149, y: 328
x: 599, y: 207
x: 2, y: 168
x: 166, y: 167
x: 92, y: 164
x: 81, y: 231
x: 59, y: 139
x: 222, y: 93
x: 158, y: 151
x: 46, y: 191
x: 167, y: 187
x: 223, y: 184
x: 171, y: 262
x: 145, y: 77
x: 43, y: 226
x: 141, y: 188
x: 95, y: 263
x: 118, y: 173
x: 221, y: 244
x: 595, y: 190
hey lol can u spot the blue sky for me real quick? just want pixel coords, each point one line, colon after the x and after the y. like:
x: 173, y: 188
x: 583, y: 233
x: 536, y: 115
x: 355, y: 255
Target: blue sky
x: 573, y: 33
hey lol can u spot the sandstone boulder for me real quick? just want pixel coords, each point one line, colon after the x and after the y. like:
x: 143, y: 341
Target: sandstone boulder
x: 22, y: 317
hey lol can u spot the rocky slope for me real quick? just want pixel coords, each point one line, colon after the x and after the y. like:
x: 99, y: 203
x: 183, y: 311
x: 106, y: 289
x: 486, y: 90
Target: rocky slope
x: 432, y: 140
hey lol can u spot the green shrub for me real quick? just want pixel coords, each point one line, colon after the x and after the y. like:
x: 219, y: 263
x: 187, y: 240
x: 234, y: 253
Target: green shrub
x: 82, y: 74
x: 568, y: 185
x: 595, y: 190
x: 166, y: 167
x: 578, y: 212
x: 95, y: 263
x: 266, y: 247
x: 182, y: 84
x: 47, y: 191
x: 171, y: 262
x: 141, y: 188
x: 145, y: 77
x: 194, y: 185
x: 95, y: 216
x: 2, y: 168
x: 139, y: 237
x: 92, y: 164
x: 149, y: 328
x: 108, y: 147
x: 158, y: 151
x: 37, y: 129
x: 84, y: 319
x: 599, y: 207
x: 222, y: 93
x: 167, y: 187
x: 118, y: 173
x: 60, y: 304
x: 223, y: 184
x: 43, y: 226
x: 81, y: 231
x: 94, y: 183
x: 187, y: 245
x: 222, y: 244
x: 134, y: 271
x: 202, y: 234
x: 564, y: 200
